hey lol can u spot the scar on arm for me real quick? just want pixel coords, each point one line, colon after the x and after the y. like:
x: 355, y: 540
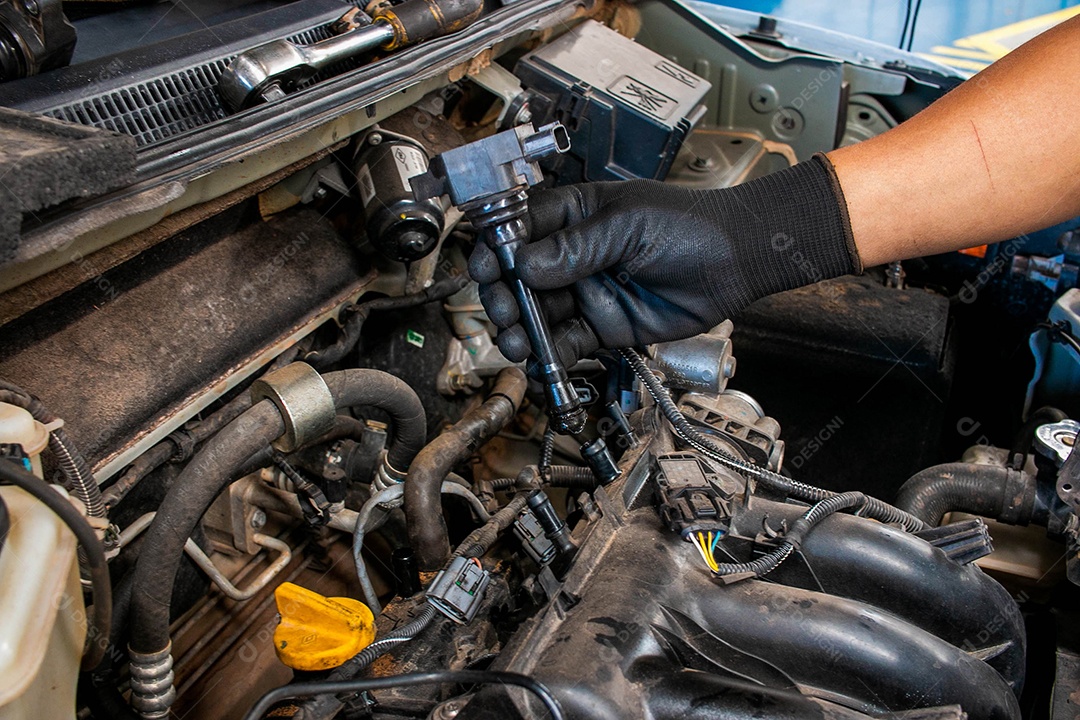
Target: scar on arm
x: 982, y: 152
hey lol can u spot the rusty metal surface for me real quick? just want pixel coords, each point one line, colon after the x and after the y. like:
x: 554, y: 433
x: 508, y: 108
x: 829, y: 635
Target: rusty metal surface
x: 122, y: 354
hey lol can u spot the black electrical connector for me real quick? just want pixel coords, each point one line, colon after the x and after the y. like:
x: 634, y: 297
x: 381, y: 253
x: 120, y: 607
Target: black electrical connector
x: 555, y: 530
x: 689, y: 503
x: 534, y: 541
x: 596, y: 455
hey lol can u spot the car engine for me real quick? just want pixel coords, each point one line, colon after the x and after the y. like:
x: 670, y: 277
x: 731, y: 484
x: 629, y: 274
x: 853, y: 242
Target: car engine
x: 293, y: 477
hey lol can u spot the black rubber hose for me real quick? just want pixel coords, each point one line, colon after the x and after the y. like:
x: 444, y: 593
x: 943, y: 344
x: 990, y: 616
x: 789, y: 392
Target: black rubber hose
x: 5, y: 523
x: 98, y: 688
x: 423, y: 503
x: 461, y: 677
x: 990, y: 491
x: 201, y: 481
x: 1026, y: 436
x: 228, y: 455
x: 180, y: 444
x: 874, y: 508
x: 794, y: 537
x: 440, y: 290
x: 79, y: 480
x: 97, y: 633
x: 372, y: 388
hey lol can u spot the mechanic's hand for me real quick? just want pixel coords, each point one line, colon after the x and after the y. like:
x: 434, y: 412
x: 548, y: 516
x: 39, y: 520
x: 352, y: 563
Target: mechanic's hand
x: 623, y: 264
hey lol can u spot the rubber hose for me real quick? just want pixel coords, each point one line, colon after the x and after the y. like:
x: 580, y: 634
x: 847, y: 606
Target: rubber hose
x: 987, y: 490
x: 423, y: 508
x: 217, y: 464
x: 195, y: 489
x: 874, y: 508
x: 372, y: 388
x: 79, y: 480
x: 180, y: 444
x: 98, y: 629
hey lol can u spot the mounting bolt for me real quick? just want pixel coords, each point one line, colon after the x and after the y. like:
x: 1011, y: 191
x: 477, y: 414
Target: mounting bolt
x: 32, y: 7
x: 374, y: 138
x: 258, y: 520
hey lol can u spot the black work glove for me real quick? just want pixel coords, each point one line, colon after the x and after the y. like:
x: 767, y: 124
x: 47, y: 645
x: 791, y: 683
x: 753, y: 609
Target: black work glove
x: 625, y: 264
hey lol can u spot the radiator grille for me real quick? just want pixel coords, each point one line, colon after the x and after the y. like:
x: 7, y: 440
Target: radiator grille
x: 161, y: 108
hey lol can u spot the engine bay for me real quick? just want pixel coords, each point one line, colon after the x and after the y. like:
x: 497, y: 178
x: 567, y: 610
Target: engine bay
x: 240, y: 333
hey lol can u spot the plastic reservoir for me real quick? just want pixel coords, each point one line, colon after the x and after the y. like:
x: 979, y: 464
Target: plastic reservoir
x: 42, y: 617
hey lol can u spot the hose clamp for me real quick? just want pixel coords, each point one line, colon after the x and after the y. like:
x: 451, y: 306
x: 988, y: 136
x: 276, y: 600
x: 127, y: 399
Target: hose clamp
x: 304, y: 401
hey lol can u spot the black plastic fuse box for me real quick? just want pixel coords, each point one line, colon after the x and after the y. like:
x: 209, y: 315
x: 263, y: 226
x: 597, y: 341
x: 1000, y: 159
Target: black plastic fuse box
x: 627, y: 109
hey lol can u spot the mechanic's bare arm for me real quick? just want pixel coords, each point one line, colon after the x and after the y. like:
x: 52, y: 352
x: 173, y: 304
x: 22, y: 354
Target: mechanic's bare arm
x: 996, y: 157
x: 632, y: 263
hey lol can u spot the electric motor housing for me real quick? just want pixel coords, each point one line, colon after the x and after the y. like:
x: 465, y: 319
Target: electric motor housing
x: 399, y: 225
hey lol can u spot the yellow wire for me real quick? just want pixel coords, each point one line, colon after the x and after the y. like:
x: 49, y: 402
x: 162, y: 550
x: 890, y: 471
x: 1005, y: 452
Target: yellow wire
x: 703, y: 549
x: 709, y: 555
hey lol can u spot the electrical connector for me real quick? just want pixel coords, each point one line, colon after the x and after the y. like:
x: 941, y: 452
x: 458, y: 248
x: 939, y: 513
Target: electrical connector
x: 533, y: 539
x: 689, y: 503
x: 458, y: 589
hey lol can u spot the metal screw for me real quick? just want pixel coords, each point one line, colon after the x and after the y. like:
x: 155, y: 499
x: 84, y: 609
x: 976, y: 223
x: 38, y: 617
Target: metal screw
x: 374, y: 138
x: 258, y: 520
x: 31, y: 7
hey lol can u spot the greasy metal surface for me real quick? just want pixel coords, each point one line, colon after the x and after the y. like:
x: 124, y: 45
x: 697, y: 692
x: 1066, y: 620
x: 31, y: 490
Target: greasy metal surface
x: 119, y: 356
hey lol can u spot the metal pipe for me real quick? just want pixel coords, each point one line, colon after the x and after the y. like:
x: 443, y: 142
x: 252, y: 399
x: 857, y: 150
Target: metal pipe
x: 270, y: 543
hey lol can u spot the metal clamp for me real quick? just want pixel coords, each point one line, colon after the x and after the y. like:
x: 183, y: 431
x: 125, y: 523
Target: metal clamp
x: 304, y: 401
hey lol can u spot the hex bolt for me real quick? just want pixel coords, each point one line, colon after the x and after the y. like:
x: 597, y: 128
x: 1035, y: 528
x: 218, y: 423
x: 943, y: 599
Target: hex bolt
x: 258, y: 519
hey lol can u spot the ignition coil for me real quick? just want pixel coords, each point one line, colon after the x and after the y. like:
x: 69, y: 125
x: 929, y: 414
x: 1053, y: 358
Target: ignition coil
x: 488, y: 180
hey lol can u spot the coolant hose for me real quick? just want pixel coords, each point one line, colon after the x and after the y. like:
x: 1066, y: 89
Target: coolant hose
x: 987, y: 490
x: 372, y: 388
x: 216, y: 465
x: 423, y: 508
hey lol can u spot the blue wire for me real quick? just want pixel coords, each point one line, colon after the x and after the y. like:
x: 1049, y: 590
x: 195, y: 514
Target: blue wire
x: 719, y: 534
